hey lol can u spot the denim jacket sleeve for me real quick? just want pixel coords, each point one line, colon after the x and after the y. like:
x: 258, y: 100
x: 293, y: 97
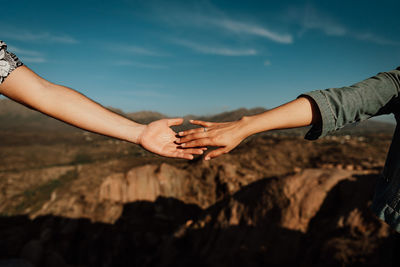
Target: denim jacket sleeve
x: 340, y: 106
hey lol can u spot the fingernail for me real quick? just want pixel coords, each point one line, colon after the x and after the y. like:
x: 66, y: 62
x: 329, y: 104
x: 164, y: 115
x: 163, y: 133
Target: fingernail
x: 191, y: 120
x: 180, y: 133
x: 183, y: 145
x: 207, y: 158
x: 191, y: 157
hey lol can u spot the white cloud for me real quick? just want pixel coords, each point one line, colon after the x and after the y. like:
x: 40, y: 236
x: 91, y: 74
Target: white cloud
x: 310, y: 18
x: 213, y: 50
x: 137, y: 50
x: 205, y: 16
x: 33, y: 60
x: 147, y: 93
x: 314, y: 19
x: 372, y: 38
x: 267, y: 63
x: 27, y: 55
x: 250, y: 29
x: 40, y: 37
x: 26, y: 52
x: 139, y: 64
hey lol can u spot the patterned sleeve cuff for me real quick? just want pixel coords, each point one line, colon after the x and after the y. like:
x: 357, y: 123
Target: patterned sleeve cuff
x: 327, y: 124
x: 8, y: 62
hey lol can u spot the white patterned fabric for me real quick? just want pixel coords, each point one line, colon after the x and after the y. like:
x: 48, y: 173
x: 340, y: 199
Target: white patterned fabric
x: 8, y: 62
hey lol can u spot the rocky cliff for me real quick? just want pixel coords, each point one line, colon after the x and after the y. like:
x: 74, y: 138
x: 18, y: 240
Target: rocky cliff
x: 71, y: 198
x: 272, y: 201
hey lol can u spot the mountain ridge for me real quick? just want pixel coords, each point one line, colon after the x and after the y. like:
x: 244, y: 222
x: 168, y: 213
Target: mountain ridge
x: 16, y: 117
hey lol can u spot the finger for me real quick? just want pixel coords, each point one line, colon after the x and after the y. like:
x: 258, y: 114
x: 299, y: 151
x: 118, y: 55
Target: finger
x: 186, y: 156
x: 174, y: 122
x: 191, y: 131
x: 198, y: 143
x: 216, y: 153
x: 191, y: 137
x: 183, y: 155
x: 196, y: 151
x: 201, y: 123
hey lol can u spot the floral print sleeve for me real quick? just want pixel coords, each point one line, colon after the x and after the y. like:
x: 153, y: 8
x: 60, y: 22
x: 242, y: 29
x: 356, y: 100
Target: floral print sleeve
x: 8, y: 62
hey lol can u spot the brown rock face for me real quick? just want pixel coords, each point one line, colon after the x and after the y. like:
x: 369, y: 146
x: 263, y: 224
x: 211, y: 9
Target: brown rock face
x: 306, y: 193
x: 145, y: 183
x: 272, y: 202
x: 305, y: 219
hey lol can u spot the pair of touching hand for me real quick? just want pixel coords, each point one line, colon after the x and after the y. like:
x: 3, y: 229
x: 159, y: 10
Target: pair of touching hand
x: 159, y: 138
x: 70, y: 106
x: 300, y: 112
x: 225, y: 135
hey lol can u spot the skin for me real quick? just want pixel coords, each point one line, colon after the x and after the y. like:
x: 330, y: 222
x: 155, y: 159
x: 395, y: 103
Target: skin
x: 70, y: 106
x: 227, y: 135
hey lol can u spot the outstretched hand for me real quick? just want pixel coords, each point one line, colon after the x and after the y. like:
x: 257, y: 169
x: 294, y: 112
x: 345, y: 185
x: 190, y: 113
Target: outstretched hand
x: 225, y: 135
x: 159, y: 138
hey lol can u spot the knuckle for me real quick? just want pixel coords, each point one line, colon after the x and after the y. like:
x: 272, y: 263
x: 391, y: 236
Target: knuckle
x: 196, y: 143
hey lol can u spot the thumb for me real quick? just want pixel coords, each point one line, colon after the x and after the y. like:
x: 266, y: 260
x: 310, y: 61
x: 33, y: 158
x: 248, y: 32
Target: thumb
x: 174, y: 122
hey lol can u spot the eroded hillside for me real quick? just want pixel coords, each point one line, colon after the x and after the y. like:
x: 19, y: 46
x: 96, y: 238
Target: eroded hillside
x: 70, y: 198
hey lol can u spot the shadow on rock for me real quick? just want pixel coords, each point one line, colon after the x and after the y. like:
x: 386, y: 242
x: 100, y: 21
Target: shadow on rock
x: 275, y: 222
x: 131, y: 241
x: 315, y: 218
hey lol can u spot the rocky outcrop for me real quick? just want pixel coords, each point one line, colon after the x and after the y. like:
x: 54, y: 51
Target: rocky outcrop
x: 317, y: 217
x: 272, y: 201
x: 312, y: 218
x: 145, y: 183
x: 306, y: 192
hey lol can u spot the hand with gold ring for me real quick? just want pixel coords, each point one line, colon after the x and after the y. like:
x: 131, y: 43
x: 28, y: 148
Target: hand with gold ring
x: 226, y: 135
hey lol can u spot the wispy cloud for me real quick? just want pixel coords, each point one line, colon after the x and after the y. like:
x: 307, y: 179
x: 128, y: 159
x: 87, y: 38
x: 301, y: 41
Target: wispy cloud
x: 267, y: 63
x: 136, y: 50
x: 40, y: 37
x: 240, y: 27
x: 207, y: 17
x: 26, y: 52
x: 215, y: 50
x: 313, y: 19
x: 310, y: 18
x: 372, y: 38
x: 34, y: 60
x: 28, y: 56
x: 147, y: 93
x: 139, y: 64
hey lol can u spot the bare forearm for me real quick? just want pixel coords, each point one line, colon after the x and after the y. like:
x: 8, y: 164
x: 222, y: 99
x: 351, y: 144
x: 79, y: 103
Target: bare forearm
x: 297, y: 113
x: 74, y: 108
x: 69, y: 106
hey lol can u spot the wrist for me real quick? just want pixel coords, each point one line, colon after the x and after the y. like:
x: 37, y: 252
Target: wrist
x: 136, y: 133
x: 255, y: 124
x: 245, y: 126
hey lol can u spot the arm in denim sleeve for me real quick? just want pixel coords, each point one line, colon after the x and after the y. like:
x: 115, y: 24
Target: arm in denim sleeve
x: 340, y: 106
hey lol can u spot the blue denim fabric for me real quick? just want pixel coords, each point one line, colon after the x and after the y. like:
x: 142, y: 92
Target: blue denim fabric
x: 371, y: 97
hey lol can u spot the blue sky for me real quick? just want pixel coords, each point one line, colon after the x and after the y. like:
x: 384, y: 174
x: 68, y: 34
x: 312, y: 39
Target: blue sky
x: 202, y: 57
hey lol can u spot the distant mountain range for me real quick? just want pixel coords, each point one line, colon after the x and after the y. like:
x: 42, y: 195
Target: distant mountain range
x: 16, y: 117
